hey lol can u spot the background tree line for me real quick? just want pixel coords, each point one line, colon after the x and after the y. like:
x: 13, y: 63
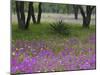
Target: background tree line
x: 21, y: 7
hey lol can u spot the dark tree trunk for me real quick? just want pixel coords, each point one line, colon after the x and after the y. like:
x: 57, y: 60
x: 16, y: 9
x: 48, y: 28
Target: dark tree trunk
x: 86, y: 22
x: 30, y: 13
x: 22, y: 23
x: 20, y: 14
x: 29, y: 16
x: 75, y: 7
x: 86, y: 16
x: 39, y: 13
x: 33, y: 15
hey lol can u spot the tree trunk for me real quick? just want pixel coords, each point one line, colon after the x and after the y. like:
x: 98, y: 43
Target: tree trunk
x: 33, y: 15
x: 85, y: 23
x: 30, y: 13
x: 39, y: 13
x: 20, y: 14
x: 86, y: 16
x: 75, y: 7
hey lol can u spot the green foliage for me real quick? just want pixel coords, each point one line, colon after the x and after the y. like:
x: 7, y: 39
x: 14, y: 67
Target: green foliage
x: 46, y: 7
x: 35, y: 7
x: 60, y: 28
x: 57, y: 8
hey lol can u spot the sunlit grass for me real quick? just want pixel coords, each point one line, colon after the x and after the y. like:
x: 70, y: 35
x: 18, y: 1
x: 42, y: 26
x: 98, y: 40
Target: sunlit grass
x: 42, y: 32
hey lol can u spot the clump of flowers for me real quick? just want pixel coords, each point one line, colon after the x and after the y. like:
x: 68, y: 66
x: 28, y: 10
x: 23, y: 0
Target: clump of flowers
x: 33, y: 57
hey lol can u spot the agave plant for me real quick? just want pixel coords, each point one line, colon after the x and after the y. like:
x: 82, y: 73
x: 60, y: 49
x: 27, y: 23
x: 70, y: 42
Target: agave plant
x: 60, y: 28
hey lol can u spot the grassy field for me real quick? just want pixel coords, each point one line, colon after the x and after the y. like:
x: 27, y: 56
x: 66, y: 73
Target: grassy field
x: 43, y: 32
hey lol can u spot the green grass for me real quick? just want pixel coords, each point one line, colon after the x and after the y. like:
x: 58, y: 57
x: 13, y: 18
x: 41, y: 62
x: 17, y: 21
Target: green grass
x: 42, y: 32
x: 55, y: 41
